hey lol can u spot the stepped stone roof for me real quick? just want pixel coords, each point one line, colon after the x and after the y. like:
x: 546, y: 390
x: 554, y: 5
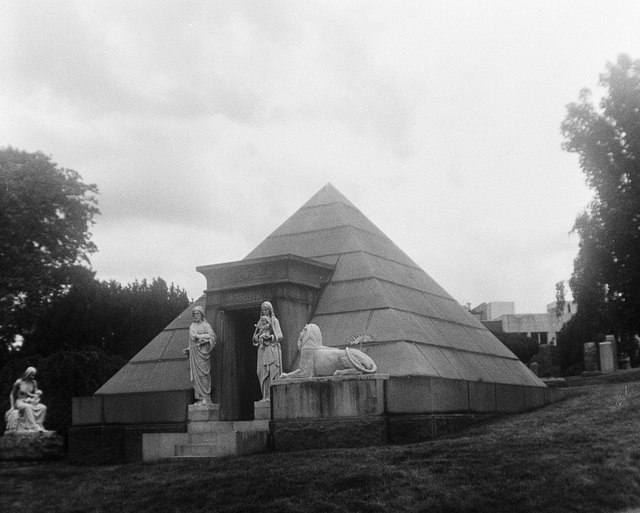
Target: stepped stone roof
x: 418, y: 328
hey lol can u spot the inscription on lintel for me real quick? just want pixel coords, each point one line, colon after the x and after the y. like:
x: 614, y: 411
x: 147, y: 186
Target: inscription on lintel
x: 249, y: 296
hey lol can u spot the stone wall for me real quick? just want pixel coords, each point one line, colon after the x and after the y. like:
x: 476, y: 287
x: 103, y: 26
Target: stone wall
x: 356, y: 411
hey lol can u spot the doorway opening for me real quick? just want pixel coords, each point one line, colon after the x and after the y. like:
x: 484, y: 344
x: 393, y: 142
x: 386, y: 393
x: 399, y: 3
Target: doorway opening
x: 242, y: 386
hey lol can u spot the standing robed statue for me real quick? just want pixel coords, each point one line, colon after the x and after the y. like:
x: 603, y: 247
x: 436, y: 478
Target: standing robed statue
x: 267, y: 337
x: 202, y: 340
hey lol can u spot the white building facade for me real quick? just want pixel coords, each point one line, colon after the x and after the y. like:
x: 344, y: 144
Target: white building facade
x: 542, y: 327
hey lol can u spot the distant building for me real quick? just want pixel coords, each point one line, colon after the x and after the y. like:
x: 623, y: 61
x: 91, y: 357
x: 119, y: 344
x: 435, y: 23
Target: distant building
x: 493, y: 310
x: 543, y: 328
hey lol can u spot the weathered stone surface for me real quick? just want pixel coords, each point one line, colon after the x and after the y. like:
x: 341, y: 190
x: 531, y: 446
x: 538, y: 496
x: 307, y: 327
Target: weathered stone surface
x: 510, y: 398
x: 482, y: 397
x: 326, y: 397
x: 31, y: 446
x: 110, y: 445
x: 407, y: 429
x: 327, y: 433
x: 607, y: 357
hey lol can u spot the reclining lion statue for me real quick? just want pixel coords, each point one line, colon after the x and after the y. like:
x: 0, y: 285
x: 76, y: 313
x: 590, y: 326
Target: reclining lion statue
x: 318, y: 360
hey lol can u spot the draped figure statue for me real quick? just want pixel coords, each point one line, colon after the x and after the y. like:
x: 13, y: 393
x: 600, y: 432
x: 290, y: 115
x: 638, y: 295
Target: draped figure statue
x: 202, y: 340
x: 267, y: 337
x: 27, y: 413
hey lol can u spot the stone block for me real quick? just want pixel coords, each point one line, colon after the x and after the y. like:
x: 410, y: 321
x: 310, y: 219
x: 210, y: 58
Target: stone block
x: 533, y: 397
x: 147, y: 408
x: 425, y: 394
x: 203, y: 412
x: 225, y: 444
x: 87, y: 410
x: 509, y: 398
x: 328, y: 397
x: 407, y: 429
x: 457, y: 423
x: 31, y: 447
x: 251, y: 442
x: 294, y: 435
x: 482, y: 397
x: 158, y: 446
x: 409, y: 394
x: 110, y: 445
x: 96, y: 445
x: 262, y: 410
x: 449, y: 395
x: 440, y: 426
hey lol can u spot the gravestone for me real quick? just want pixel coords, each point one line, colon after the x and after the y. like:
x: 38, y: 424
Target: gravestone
x: 607, y: 357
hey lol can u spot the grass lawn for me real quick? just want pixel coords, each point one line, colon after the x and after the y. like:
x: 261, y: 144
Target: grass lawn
x: 581, y: 454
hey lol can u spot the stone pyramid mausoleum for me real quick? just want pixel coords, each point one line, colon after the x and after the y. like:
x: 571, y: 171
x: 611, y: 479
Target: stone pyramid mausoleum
x: 329, y: 265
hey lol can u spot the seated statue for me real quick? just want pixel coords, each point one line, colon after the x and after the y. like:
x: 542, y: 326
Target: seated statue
x: 27, y: 413
x: 318, y: 360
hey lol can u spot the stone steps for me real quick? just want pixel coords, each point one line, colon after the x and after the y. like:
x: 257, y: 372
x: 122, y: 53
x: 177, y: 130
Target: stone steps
x: 228, y: 426
x: 215, y: 445
x: 209, y: 437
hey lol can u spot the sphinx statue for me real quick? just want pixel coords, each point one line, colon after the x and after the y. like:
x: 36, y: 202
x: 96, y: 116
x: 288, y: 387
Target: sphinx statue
x: 318, y: 360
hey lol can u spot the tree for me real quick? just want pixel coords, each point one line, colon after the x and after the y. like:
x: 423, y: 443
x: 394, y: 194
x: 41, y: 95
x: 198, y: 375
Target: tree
x: 62, y: 376
x: 561, y: 301
x: 606, y: 277
x: 45, y: 215
x: 525, y: 348
x: 117, y: 319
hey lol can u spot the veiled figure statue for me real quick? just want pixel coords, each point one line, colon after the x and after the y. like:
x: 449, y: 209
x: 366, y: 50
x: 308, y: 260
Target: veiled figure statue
x: 267, y: 337
x: 27, y: 413
x: 202, y: 340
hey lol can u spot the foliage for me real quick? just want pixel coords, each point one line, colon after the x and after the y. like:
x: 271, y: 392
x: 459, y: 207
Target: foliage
x: 580, y: 454
x: 606, y: 277
x: 561, y: 301
x: 45, y: 215
x: 525, y: 348
x: 83, y: 337
x: 61, y: 376
x: 571, y: 339
x: 117, y: 319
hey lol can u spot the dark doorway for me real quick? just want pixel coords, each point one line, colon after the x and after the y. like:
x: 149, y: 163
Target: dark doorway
x: 239, y: 387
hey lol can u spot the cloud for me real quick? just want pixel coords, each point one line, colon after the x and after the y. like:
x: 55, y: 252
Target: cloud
x: 207, y: 124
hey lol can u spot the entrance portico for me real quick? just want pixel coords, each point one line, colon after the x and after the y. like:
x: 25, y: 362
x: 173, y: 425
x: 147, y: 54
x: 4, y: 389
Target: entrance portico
x: 234, y: 293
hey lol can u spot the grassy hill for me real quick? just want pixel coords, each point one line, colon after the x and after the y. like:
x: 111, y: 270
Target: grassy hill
x: 579, y: 455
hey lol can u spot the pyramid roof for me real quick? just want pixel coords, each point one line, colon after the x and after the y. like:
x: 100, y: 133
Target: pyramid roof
x: 417, y: 327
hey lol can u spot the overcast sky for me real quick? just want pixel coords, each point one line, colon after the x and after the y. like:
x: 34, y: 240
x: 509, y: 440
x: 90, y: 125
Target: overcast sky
x: 206, y: 125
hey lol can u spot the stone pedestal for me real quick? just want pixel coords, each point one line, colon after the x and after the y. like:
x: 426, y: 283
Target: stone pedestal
x: 31, y: 446
x: 321, y: 412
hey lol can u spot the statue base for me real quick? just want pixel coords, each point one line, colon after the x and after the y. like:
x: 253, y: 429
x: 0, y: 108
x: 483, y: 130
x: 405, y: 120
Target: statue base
x: 335, y: 411
x: 37, y: 446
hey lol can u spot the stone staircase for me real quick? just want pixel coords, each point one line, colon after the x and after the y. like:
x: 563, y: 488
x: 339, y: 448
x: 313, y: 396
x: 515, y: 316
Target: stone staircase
x: 209, y: 437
